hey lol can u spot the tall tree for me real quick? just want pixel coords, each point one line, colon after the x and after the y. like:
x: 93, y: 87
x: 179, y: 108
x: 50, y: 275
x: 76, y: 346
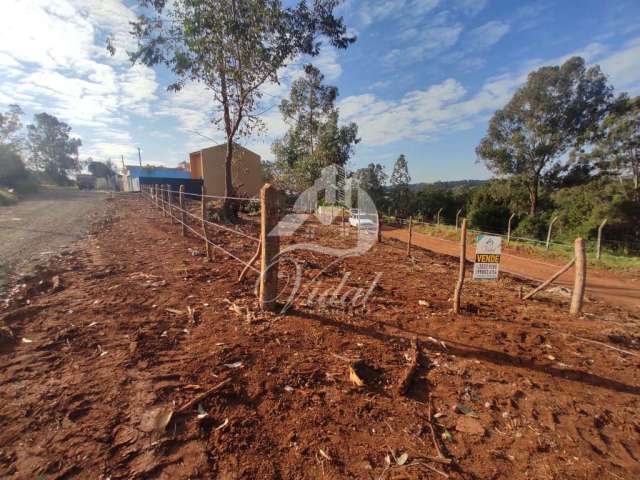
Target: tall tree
x: 617, y: 146
x: 372, y: 179
x: 400, y: 179
x: 558, y: 107
x: 314, y: 140
x: 10, y: 126
x: 233, y: 47
x: 52, y: 149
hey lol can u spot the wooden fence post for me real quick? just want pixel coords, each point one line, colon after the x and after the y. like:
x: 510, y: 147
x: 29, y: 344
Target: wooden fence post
x: 410, y: 236
x: 203, y: 205
x: 270, y: 248
x: 509, y: 228
x: 181, y: 203
x: 379, y: 227
x: 457, y: 216
x: 599, y: 243
x: 169, y: 203
x: 343, y: 230
x: 553, y: 220
x: 155, y: 195
x: 438, y: 217
x: 580, y: 277
x: 463, y: 259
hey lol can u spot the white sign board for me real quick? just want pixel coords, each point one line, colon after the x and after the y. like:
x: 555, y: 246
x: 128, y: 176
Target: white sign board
x: 487, y: 261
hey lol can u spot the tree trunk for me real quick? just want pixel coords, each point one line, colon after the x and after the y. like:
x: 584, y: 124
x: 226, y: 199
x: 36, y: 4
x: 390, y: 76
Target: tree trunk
x: 533, y: 197
x: 227, y: 206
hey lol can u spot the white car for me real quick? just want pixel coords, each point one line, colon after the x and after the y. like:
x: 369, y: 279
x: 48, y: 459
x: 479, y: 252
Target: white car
x: 361, y: 220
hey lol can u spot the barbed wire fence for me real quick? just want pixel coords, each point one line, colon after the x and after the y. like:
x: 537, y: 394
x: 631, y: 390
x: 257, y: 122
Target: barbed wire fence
x: 178, y: 206
x: 593, y: 246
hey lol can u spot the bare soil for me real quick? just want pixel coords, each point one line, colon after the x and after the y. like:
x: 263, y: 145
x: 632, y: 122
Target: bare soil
x: 98, y: 364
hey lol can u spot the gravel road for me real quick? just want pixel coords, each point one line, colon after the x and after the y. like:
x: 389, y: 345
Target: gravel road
x: 43, y: 223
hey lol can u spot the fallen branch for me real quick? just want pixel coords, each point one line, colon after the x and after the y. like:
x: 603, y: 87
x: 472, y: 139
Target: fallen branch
x: 550, y: 280
x: 202, y: 396
x: 407, y: 379
x: 627, y: 352
x: 251, y: 262
x: 434, y: 438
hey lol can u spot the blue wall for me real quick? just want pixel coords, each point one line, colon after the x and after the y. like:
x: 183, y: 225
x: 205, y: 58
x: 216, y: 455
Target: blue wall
x: 158, y: 172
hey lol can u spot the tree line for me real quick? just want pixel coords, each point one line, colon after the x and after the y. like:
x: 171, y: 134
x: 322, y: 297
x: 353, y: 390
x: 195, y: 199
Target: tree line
x: 563, y: 146
x: 42, y: 151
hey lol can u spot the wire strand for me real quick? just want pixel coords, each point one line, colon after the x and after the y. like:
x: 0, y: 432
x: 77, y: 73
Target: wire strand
x: 199, y: 235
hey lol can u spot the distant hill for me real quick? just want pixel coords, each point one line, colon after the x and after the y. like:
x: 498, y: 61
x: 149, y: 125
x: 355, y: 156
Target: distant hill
x: 447, y: 185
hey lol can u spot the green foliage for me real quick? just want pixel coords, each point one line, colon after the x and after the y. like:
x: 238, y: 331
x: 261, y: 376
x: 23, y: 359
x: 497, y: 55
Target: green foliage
x: 53, y: 152
x: 401, y: 195
x: 11, y: 126
x: 432, y: 198
x: 372, y: 179
x: 314, y: 140
x: 101, y: 170
x: 617, y: 144
x: 559, y: 107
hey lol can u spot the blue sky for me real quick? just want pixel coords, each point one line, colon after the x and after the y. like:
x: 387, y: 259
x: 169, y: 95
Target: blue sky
x: 423, y: 78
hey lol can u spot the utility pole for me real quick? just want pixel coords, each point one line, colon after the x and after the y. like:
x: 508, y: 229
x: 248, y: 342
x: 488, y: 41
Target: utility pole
x: 139, y: 157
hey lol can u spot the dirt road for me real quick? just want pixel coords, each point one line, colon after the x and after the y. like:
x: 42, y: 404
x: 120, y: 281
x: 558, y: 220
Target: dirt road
x: 43, y: 223
x: 623, y: 290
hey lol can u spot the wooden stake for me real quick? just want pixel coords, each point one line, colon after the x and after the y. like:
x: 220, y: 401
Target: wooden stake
x: 463, y: 258
x: 379, y: 228
x: 182, y: 215
x: 551, y: 279
x: 599, y: 244
x: 553, y: 220
x: 203, y: 205
x: 580, y: 277
x: 270, y: 248
x: 509, y: 228
x: 410, y: 236
x: 458, y: 215
x: 343, y: 230
x: 438, y: 217
x: 169, y: 203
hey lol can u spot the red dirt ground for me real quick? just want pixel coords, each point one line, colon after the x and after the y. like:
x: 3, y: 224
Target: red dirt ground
x: 85, y: 369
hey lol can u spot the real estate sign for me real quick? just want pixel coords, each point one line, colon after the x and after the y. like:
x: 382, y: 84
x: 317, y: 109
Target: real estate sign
x: 487, y: 262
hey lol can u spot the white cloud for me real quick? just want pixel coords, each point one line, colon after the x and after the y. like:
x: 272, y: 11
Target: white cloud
x: 53, y: 58
x: 371, y: 12
x: 470, y: 7
x: 488, y: 34
x: 447, y: 106
x: 424, y: 44
x: 623, y: 67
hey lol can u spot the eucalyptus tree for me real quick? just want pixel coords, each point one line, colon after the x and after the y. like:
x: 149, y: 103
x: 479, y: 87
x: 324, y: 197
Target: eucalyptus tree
x: 52, y: 149
x: 617, y: 146
x: 400, y: 179
x: 233, y: 47
x: 314, y: 139
x: 558, y: 108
